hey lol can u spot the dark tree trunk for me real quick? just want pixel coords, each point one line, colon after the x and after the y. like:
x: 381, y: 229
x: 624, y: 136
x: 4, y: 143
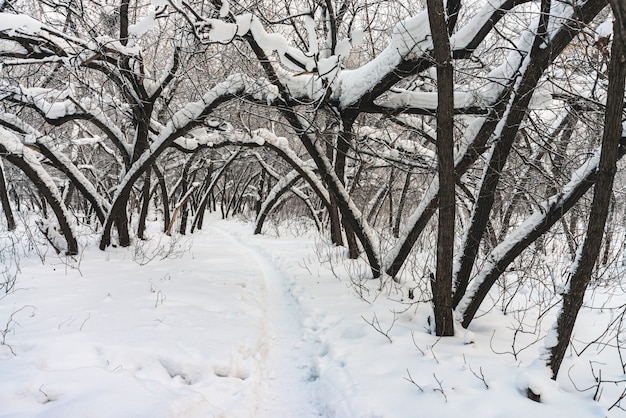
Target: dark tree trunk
x: 164, y: 196
x: 442, y: 283
x: 260, y: 196
x: 401, y: 203
x: 145, y: 205
x: 606, y: 253
x: 343, y: 146
x: 392, y: 178
x: 336, y: 236
x: 4, y: 199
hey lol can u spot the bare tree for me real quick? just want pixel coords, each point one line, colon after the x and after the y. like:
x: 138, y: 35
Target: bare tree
x: 442, y: 283
x: 607, y: 166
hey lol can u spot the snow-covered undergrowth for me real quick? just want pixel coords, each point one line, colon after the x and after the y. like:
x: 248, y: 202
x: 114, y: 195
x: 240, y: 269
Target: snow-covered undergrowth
x: 227, y: 324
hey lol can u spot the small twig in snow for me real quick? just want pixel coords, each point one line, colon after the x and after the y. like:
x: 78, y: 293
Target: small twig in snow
x: 410, y: 379
x: 618, y: 402
x: 375, y: 323
x: 85, y: 321
x: 481, y: 377
x: 415, y: 343
x: 9, y: 326
x: 440, y: 389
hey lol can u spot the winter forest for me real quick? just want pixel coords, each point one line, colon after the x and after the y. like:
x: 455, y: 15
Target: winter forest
x: 294, y: 208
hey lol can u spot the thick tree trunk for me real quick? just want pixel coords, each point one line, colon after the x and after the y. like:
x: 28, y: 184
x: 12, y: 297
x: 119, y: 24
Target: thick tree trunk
x: 608, y: 239
x: 343, y: 146
x: 442, y: 283
x: 260, y: 195
x: 392, y: 178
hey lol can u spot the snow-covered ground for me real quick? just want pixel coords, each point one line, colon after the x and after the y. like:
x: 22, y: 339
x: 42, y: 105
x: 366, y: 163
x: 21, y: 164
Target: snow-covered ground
x: 227, y: 324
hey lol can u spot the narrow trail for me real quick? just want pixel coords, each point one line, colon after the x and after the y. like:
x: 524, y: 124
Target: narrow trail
x: 288, y: 384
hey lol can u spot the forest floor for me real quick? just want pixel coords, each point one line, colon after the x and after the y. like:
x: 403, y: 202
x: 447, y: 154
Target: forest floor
x: 227, y: 324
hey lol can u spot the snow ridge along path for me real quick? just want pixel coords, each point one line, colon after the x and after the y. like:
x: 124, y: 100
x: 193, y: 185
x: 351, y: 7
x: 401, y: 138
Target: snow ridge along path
x: 289, y: 369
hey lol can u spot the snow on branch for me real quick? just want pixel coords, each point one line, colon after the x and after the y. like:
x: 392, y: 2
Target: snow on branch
x: 426, y: 102
x: 410, y: 38
x: 465, y: 37
x: 193, y: 114
x: 409, y: 51
x: 12, y: 23
x: 217, y: 30
x: 397, y: 144
x: 11, y: 145
x: 52, y: 104
x: 548, y: 212
x: 265, y: 137
x: 31, y: 135
x: 59, y: 106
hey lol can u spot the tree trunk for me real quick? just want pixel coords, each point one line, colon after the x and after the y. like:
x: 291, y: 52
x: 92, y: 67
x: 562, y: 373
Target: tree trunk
x: 401, y: 203
x: 164, y: 196
x: 442, y: 283
x: 606, y: 254
x: 336, y: 236
x: 145, y: 205
x: 4, y: 199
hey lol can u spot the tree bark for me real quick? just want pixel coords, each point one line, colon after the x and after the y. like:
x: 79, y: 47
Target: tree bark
x: 164, y: 197
x: 442, y: 283
x: 336, y: 236
x: 4, y: 199
x: 401, y: 203
x: 145, y: 205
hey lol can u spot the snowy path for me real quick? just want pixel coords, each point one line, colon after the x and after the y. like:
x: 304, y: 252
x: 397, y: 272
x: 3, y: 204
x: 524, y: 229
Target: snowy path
x: 289, y: 371
x: 211, y: 330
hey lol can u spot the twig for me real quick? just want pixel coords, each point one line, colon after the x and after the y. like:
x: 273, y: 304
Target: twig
x: 410, y: 379
x: 481, y: 377
x: 415, y: 343
x: 375, y: 323
x: 440, y: 389
x: 83, y: 324
x: 618, y: 401
x: 8, y: 327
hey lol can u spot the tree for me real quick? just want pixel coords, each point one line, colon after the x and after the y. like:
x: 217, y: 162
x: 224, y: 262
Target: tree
x: 607, y: 166
x: 442, y: 284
